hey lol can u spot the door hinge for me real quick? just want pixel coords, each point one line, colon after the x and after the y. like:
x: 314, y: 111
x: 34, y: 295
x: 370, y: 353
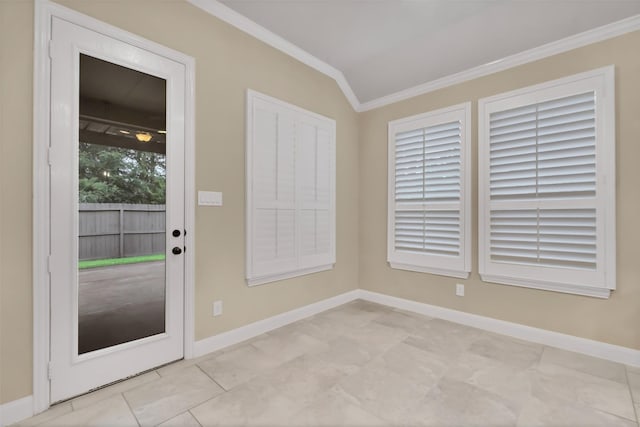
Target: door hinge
x: 49, y: 264
x: 49, y: 156
x: 50, y: 371
x: 51, y: 49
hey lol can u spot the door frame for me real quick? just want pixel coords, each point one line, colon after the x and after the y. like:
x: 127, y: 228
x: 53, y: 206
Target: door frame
x: 45, y: 10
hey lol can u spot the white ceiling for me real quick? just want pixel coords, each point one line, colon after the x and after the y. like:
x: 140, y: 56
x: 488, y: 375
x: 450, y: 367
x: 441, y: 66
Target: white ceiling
x: 386, y: 46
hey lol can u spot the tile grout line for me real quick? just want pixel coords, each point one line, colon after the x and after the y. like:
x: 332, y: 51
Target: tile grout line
x: 633, y: 403
x: 193, y: 416
x: 130, y: 409
x: 211, y: 378
x: 189, y: 408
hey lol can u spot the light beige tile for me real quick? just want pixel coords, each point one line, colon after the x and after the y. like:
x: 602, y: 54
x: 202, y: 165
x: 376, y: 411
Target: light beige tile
x: 312, y: 327
x: 419, y: 316
x: 514, y: 352
x: 183, y: 420
x: 366, y: 365
x: 377, y: 338
x: 442, y: 337
x: 454, y: 403
x: 174, y: 367
x: 510, y: 383
x: 633, y: 369
x: 106, y: 392
x: 303, y: 378
x: 417, y: 364
x: 382, y: 392
x: 111, y: 412
x: 332, y: 408
x: 326, y: 328
x: 583, y: 363
x: 634, y: 385
x: 559, y: 413
x: 346, y: 354
x: 287, y: 347
x: 230, y: 369
x: 42, y: 418
x: 169, y: 396
x: 408, y: 322
x: 350, y: 315
x: 254, y: 403
x: 363, y: 305
x: 554, y: 382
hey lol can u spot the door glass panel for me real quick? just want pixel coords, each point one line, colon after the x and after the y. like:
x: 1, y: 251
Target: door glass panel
x: 122, y: 193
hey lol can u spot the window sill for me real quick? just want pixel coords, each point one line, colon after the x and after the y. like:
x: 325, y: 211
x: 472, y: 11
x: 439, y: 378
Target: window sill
x: 431, y: 270
x: 261, y: 280
x: 548, y: 286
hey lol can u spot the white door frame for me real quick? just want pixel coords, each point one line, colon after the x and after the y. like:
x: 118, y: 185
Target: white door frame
x: 44, y: 11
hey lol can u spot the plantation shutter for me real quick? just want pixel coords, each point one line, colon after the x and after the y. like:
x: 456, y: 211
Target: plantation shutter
x: 314, y: 148
x: 427, y: 219
x: 274, y: 215
x: 290, y: 191
x: 546, y: 208
x: 540, y: 153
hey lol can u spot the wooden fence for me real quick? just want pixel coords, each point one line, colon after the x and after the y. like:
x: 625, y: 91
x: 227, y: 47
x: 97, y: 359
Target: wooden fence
x: 116, y: 230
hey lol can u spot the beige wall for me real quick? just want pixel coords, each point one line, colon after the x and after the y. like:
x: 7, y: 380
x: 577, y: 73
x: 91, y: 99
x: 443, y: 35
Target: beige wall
x: 227, y: 63
x: 614, y: 320
x: 16, y: 94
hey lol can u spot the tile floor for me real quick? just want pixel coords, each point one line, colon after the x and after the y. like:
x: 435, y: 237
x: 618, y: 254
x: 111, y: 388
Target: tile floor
x: 363, y: 364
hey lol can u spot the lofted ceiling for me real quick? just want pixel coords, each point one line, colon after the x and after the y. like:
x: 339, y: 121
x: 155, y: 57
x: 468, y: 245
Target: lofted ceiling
x: 386, y: 46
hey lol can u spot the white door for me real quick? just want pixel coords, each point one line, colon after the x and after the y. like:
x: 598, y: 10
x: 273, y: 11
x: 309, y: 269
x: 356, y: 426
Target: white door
x: 117, y: 210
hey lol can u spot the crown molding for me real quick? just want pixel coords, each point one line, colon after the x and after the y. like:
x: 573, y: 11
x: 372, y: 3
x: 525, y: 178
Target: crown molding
x: 230, y: 16
x: 585, y: 38
x: 250, y: 27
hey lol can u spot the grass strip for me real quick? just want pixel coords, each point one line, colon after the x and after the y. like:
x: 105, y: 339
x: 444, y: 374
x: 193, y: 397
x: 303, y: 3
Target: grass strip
x: 94, y: 263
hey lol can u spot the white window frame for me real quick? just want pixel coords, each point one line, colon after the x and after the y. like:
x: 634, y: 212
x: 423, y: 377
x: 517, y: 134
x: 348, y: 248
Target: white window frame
x: 596, y: 283
x: 459, y: 266
x: 303, y: 264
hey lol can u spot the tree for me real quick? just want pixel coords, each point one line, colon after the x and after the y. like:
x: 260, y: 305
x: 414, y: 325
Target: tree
x: 120, y: 175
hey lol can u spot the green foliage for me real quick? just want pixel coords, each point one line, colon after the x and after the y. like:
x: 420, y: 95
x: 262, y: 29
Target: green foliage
x: 120, y: 175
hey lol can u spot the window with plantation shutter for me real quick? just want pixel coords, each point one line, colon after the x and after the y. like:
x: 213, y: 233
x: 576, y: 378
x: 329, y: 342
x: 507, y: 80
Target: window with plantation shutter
x: 290, y: 168
x: 547, y: 185
x: 428, y: 208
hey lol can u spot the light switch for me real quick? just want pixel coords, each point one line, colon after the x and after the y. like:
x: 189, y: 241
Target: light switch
x: 209, y: 198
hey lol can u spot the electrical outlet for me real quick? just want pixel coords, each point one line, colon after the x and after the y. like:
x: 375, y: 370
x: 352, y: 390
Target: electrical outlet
x: 217, y: 308
x: 460, y: 290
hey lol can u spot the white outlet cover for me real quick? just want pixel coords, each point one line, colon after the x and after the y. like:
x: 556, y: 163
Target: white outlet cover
x: 217, y: 308
x: 459, y: 290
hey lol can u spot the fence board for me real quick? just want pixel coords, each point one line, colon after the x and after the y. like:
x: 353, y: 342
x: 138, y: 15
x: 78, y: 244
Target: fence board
x: 116, y: 230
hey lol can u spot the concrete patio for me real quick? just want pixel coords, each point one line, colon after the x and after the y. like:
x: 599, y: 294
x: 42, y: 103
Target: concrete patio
x: 120, y: 303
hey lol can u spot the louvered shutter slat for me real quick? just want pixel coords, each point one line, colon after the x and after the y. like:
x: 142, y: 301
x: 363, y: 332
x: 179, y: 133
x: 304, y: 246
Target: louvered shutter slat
x: 427, y: 230
x: 558, y: 162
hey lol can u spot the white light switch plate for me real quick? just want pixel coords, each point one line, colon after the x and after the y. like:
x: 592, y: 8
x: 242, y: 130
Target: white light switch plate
x: 209, y: 198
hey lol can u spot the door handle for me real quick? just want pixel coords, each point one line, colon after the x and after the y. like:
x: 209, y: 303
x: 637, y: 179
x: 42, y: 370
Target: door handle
x: 176, y: 250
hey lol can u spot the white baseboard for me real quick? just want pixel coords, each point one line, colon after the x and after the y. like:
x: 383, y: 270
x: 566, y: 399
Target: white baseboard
x: 614, y: 353
x: 16, y: 410
x: 251, y: 330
